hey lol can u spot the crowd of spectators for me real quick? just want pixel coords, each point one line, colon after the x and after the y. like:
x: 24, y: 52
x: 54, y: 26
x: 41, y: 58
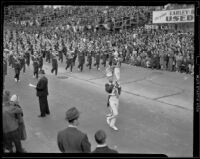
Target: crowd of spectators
x: 79, y: 14
x: 157, y: 49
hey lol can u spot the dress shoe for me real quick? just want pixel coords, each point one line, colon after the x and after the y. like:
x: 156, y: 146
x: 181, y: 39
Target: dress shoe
x: 114, y: 127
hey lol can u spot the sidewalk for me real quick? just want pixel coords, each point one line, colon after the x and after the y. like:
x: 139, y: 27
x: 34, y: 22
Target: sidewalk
x: 171, y: 88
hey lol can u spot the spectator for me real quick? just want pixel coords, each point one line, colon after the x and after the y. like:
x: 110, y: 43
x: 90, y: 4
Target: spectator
x: 11, y: 125
x: 7, y: 144
x: 22, y: 131
x: 42, y: 93
x: 72, y: 140
x: 100, y: 138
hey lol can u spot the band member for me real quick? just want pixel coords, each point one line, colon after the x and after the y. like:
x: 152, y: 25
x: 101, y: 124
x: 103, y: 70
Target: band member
x: 54, y: 64
x: 81, y: 58
x: 35, y: 66
x: 97, y: 57
x: 48, y: 55
x: 70, y: 58
x: 60, y: 51
x: 27, y: 57
x: 89, y: 59
x: 40, y: 62
x: 4, y: 69
x: 114, y: 91
x: 104, y: 58
x: 75, y: 56
x: 110, y: 57
x: 116, y: 64
x: 22, y: 62
x: 17, y: 68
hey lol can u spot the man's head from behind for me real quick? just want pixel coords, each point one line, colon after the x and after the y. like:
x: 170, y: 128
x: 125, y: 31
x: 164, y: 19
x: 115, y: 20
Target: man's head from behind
x: 100, y: 137
x: 72, y: 116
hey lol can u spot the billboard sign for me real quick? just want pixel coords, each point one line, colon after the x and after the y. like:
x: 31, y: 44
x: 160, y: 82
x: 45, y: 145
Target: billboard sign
x: 174, y: 16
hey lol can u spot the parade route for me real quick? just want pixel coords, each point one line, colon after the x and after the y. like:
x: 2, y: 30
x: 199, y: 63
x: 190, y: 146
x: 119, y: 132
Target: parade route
x: 155, y: 112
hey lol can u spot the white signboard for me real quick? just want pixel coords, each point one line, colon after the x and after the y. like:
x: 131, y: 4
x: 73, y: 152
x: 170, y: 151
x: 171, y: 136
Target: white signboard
x: 174, y: 16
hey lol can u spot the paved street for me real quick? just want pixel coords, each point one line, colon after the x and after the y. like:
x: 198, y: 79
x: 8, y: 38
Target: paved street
x: 155, y: 113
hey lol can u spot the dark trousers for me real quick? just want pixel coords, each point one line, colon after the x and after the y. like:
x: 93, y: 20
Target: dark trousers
x: 35, y: 73
x: 70, y: 63
x: 74, y: 60
x: 14, y: 137
x: 97, y: 64
x: 24, y: 67
x: 104, y: 62
x: 17, y: 72
x: 54, y: 69
x: 80, y: 66
x: 89, y: 64
x: 48, y: 58
x: 60, y: 58
x: 28, y: 62
x: 44, y: 107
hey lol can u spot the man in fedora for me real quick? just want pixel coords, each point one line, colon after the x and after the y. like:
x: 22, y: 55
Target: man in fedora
x: 42, y: 93
x: 72, y: 140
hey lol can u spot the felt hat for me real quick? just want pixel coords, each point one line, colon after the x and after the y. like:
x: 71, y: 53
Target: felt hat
x: 72, y: 114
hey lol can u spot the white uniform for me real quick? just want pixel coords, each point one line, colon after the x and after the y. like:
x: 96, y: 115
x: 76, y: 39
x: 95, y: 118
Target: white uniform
x: 114, y: 106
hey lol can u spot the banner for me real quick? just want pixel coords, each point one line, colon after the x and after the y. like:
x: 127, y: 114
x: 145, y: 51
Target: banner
x: 174, y: 16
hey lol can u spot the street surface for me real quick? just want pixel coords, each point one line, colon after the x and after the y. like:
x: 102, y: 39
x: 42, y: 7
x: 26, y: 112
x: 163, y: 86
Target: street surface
x: 155, y: 112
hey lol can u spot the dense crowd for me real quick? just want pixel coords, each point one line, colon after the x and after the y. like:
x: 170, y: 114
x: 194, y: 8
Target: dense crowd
x: 157, y: 49
x: 154, y: 49
x: 80, y: 14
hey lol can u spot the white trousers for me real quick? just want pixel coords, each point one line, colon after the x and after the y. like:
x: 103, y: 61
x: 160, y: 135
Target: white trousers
x: 117, y: 73
x: 114, y: 105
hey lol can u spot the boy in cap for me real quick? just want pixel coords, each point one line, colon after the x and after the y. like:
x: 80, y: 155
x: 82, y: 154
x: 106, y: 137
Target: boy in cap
x: 100, y: 138
x: 72, y: 140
